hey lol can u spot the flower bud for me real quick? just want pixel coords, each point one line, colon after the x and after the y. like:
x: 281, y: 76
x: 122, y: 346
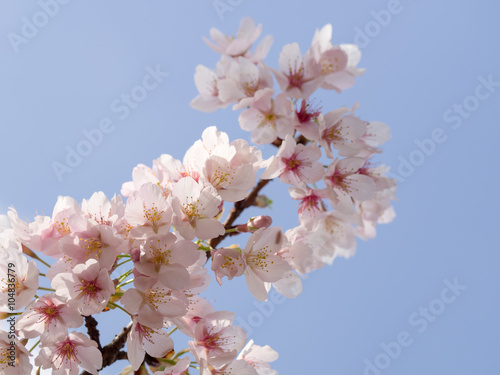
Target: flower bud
x: 262, y: 201
x: 255, y: 223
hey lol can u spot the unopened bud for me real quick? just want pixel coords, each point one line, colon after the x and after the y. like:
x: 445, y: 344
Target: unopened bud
x: 262, y: 201
x: 255, y: 223
x: 135, y: 254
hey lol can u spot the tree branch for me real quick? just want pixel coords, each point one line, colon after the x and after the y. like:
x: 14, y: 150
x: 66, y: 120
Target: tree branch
x: 91, y: 325
x: 236, y: 211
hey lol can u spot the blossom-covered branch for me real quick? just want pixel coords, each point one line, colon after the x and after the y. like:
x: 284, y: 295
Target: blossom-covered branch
x: 143, y: 254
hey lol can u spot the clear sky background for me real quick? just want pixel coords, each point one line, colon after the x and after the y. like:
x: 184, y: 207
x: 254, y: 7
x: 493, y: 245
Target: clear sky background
x: 427, y: 58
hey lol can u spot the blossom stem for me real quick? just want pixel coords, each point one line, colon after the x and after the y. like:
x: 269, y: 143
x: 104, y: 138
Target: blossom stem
x: 47, y: 289
x: 124, y: 276
x: 121, y: 308
x: 231, y: 230
x: 178, y: 354
x: 125, y: 261
x: 34, y: 346
x: 124, y: 283
x: 172, y: 331
x: 27, y: 251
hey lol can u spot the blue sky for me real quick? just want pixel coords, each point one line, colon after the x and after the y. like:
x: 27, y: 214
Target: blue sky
x: 429, y: 281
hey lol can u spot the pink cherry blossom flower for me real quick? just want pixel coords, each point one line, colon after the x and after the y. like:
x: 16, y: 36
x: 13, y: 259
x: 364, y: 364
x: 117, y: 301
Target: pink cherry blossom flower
x: 338, y: 63
x: 102, y: 211
x: 21, y: 279
x: 198, y: 309
x: 142, y: 339
x: 99, y: 242
x: 48, y: 316
x: 311, y: 203
x: 236, y: 367
x: 295, y: 164
x: 67, y: 354
x: 375, y: 211
x: 13, y: 351
x: 331, y: 237
x: 264, y: 265
x: 235, y: 46
x: 305, y: 120
x: 153, y: 303
x: 342, y: 132
x: 243, y: 80
x: 180, y: 368
x: 267, y: 118
x: 377, y: 133
x: 299, y: 76
x: 259, y: 357
x: 217, y: 341
x: 227, y: 262
x: 166, y: 258
x: 148, y: 211
x: 347, y: 184
x: 89, y: 286
x: 44, y: 233
x: 207, y: 83
x: 195, y: 206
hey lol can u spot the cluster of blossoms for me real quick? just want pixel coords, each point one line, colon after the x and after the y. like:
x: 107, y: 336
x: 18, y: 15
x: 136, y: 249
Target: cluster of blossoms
x: 170, y: 224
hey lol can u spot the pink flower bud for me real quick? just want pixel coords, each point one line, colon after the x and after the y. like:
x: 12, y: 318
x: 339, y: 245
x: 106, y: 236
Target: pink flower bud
x: 258, y: 222
x: 135, y: 254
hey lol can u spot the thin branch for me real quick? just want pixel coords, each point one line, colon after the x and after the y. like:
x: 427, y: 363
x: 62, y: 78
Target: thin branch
x: 236, y: 211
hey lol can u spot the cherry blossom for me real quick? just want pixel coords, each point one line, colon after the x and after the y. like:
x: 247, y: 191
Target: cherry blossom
x: 13, y: 351
x: 66, y: 354
x: 243, y: 80
x: 47, y: 316
x: 227, y: 262
x: 305, y: 119
x: 88, y: 285
x: 166, y: 258
x: 180, y: 368
x: 25, y: 279
x: 217, y: 341
x: 195, y: 205
x: 264, y: 265
x: 148, y: 211
x: 343, y: 177
x: 259, y: 357
x: 236, y: 367
x: 142, y: 339
x: 338, y: 63
x: 299, y: 76
x: 342, y: 131
x: 295, y: 164
x: 229, y: 167
x: 266, y: 117
x: 235, y: 46
x: 154, y: 302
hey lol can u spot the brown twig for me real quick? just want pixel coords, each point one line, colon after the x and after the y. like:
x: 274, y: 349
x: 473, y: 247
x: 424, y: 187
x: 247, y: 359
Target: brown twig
x: 236, y: 211
x: 91, y: 325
